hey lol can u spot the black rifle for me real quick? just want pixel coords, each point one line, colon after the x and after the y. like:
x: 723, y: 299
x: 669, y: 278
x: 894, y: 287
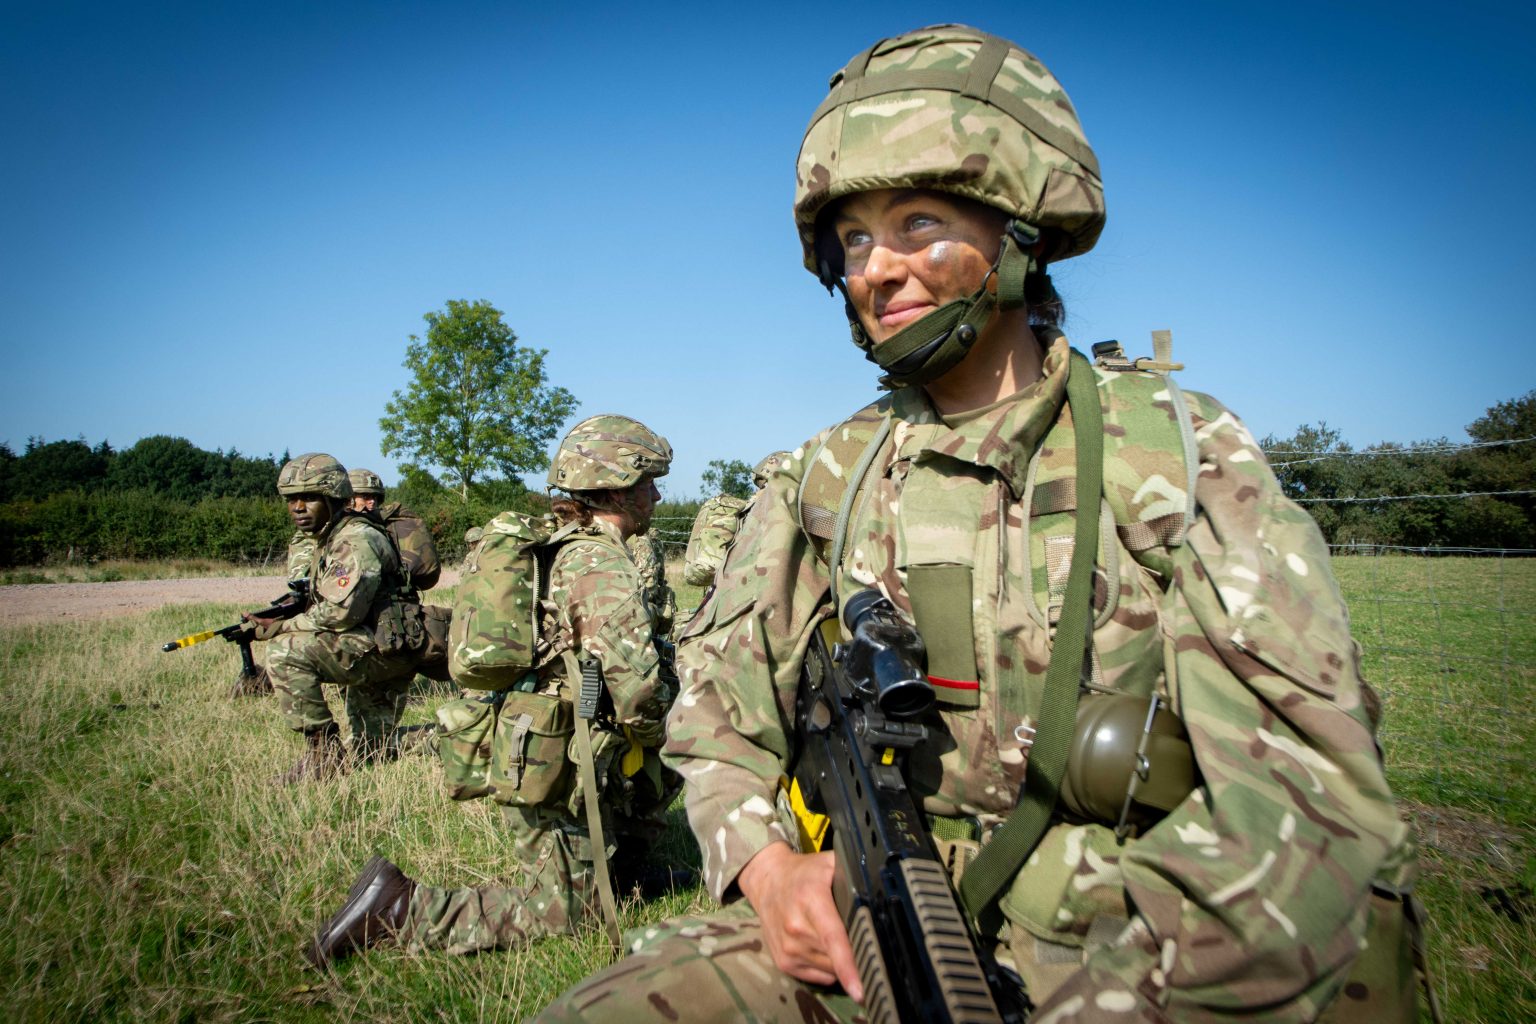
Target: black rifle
x: 854, y: 713
x: 242, y: 632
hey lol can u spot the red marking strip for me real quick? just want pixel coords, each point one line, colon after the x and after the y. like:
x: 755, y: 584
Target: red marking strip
x: 955, y: 684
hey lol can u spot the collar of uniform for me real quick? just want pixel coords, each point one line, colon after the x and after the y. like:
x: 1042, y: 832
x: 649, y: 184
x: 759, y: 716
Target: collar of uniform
x: 1002, y: 437
x: 603, y: 528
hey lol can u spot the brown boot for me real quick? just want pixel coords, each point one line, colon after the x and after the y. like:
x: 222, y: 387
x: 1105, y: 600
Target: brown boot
x: 374, y: 911
x: 324, y: 757
x: 258, y: 685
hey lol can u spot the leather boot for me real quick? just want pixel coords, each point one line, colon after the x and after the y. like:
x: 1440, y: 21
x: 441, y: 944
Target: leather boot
x: 374, y: 912
x: 258, y: 685
x: 324, y: 757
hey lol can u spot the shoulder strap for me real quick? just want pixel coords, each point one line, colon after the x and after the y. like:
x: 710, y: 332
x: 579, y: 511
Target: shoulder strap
x: 834, y: 477
x: 1012, y: 844
x: 589, y: 678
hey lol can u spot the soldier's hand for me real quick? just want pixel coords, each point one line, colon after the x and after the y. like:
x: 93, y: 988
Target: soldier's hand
x: 792, y: 894
x: 263, y: 629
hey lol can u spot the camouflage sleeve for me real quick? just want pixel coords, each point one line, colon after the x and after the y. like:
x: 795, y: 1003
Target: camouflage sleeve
x: 348, y: 577
x: 1254, y: 892
x: 597, y: 590
x: 301, y: 555
x: 729, y: 732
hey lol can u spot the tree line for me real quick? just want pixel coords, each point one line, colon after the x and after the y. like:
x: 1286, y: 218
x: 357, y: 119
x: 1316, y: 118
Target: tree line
x: 479, y: 410
x: 1431, y: 493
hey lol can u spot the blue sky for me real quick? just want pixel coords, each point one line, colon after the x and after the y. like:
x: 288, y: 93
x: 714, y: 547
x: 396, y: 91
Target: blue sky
x: 223, y: 221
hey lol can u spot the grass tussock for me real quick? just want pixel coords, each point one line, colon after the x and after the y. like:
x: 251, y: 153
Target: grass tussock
x: 149, y: 870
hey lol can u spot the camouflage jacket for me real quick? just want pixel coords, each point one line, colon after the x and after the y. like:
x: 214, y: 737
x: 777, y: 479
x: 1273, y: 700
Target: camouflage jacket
x: 651, y: 564
x: 301, y: 554
x: 599, y: 608
x: 354, y: 570
x: 1253, y: 892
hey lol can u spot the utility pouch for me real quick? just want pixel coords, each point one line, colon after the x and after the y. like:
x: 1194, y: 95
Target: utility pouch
x: 465, y: 728
x: 433, y: 656
x: 529, y: 766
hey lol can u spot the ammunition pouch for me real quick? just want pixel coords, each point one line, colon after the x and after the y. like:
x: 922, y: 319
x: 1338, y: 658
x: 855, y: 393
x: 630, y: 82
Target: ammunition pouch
x: 529, y: 766
x: 464, y: 729
x: 399, y: 625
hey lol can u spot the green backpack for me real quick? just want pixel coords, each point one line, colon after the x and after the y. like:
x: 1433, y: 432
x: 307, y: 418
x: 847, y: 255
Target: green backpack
x: 713, y: 530
x: 413, y: 541
x: 495, y: 637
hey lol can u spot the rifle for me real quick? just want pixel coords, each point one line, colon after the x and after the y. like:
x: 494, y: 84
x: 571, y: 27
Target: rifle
x: 242, y: 632
x: 855, y: 714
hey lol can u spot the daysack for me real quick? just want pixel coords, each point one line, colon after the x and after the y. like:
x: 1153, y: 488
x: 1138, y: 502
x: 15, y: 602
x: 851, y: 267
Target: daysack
x: 495, y: 637
x: 713, y: 530
x: 418, y: 555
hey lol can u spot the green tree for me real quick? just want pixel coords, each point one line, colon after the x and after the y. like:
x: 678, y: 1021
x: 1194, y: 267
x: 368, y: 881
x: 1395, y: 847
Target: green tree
x: 477, y: 402
x: 728, y: 476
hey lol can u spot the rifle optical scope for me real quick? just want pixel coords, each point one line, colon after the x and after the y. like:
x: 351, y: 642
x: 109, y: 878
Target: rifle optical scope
x: 885, y: 657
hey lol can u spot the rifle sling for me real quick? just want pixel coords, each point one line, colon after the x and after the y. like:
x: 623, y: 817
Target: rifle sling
x: 1000, y: 859
x: 590, y: 795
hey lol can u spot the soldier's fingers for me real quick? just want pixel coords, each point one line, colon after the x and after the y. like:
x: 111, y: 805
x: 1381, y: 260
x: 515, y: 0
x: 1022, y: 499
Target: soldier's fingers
x: 836, y: 948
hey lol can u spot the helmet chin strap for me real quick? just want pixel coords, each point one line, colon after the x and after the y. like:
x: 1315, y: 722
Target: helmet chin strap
x: 929, y: 348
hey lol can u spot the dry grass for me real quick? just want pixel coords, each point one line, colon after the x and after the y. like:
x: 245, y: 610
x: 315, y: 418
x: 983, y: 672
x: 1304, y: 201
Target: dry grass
x: 149, y: 871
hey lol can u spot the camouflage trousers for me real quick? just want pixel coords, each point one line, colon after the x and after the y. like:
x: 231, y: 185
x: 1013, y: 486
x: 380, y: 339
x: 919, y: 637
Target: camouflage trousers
x: 373, y: 684
x: 700, y: 969
x: 550, y: 895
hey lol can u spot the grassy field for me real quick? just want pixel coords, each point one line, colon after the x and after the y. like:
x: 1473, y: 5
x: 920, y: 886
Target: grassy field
x: 112, y: 570
x: 150, y: 871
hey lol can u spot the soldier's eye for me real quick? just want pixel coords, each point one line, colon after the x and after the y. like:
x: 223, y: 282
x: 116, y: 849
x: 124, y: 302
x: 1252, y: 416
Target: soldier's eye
x: 854, y: 238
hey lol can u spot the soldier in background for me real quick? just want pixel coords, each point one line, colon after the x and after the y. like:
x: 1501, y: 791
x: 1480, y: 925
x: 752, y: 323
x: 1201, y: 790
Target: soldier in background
x: 715, y: 526
x: 944, y: 172
x: 360, y: 630
x: 418, y: 553
x: 651, y: 563
x: 606, y: 466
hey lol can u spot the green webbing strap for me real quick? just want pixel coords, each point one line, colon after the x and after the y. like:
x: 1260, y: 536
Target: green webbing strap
x: 993, y: 869
x: 590, y: 679
x: 850, y: 495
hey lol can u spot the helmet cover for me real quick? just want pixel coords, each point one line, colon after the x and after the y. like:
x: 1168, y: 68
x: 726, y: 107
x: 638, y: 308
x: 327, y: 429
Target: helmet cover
x: 366, y: 481
x: 314, y: 473
x: 956, y: 110
x: 609, y: 451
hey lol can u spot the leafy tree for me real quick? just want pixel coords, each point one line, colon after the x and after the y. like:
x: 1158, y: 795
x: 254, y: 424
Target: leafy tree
x: 160, y: 464
x: 55, y: 466
x: 476, y: 402
x: 728, y: 476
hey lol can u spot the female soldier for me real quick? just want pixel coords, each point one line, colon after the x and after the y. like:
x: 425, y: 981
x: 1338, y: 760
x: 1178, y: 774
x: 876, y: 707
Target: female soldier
x: 607, y: 465
x: 935, y: 184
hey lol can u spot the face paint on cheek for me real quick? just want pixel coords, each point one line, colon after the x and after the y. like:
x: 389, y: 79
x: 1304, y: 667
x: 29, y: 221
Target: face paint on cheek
x: 938, y: 254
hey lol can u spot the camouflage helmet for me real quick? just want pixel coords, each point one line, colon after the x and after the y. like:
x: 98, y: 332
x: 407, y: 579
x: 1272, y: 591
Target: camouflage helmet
x: 314, y: 473
x: 956, y: 110
x: 365, y: 481
x: 609, y: 451
x: 768, y: 465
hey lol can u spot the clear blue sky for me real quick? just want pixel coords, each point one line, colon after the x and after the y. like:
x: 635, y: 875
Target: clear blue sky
x: 223, y: 220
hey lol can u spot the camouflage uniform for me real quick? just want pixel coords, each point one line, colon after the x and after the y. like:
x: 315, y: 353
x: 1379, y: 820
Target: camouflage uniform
x: 301, y: 555
x: 1255, y: 893
x: 602, y: 612
x: 651, y: 562
x: 354, y: 575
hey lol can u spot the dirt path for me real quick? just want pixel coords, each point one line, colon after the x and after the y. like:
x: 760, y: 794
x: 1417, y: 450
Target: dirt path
x: 63, y: 602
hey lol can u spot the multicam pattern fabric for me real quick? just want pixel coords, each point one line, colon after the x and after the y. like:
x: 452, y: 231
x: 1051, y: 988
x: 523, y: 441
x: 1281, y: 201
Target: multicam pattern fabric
x: 332, y: 641
x: 713, y: 529
x: 1023, y: 151
x: 606, y: 451
x: 1252, y: 898
x: 301, y: 554
x: 651, y: 563
x: 418, y: 553
x: 596, y: 606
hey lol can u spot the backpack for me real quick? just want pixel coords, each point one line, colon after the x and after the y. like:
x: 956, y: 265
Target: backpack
x: 713, y: 530
x: 495, y: 636
x: 418, y: 555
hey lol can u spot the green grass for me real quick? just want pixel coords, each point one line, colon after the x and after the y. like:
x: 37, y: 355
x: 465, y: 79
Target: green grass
x: 149, y: 871
x: 115, y: 569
